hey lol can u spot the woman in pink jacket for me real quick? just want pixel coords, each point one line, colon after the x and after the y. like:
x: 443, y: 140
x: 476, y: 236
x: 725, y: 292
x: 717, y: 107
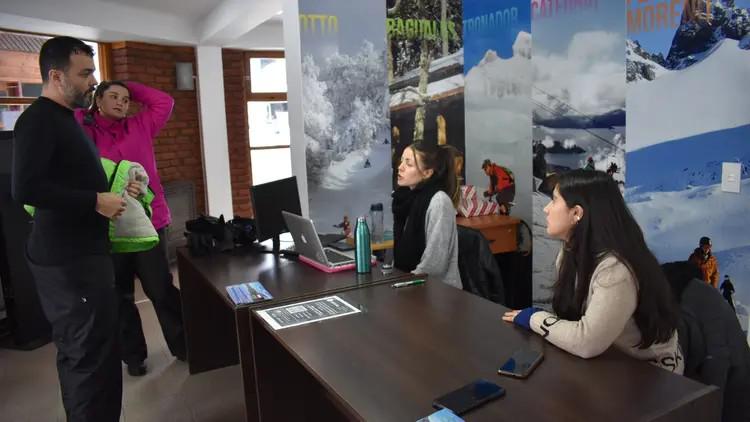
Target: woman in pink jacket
x: 121, y: 137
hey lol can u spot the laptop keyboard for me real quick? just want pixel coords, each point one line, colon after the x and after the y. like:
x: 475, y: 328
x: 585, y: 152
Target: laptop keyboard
x: 335, y: 257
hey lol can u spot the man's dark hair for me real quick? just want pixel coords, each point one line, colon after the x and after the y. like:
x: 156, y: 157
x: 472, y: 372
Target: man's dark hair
x: 56, y: 52
x: 704, y: 241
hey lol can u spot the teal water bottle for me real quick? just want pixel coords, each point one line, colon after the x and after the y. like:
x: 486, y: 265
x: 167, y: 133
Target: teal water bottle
x: 362, y: 251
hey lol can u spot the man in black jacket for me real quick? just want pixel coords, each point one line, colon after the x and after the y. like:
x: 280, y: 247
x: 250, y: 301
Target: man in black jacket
x: 715, y: 349
x: 56, y: 169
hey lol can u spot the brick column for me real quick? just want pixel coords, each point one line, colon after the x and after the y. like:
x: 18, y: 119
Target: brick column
x: 237, y: 130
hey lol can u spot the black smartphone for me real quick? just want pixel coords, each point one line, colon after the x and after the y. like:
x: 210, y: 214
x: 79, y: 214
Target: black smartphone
x: 521, y: 363
x: 469, y: 396
x: 342, y: 246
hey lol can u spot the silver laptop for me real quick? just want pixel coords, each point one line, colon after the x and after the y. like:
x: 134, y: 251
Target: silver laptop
x: 307, y: 243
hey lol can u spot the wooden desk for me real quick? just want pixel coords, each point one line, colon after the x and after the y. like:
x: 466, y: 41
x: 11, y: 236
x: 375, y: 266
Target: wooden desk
x: 411, y: 345
x: 499, y: 230
x: 217, y: 332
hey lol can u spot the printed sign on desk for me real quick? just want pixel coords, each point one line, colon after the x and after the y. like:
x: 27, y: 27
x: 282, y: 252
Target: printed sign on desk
x: 306, y: 312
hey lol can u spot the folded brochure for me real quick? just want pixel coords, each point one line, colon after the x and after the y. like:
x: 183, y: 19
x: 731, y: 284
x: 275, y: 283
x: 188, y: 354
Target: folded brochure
x: 245, y: 293
x: 442, y: 415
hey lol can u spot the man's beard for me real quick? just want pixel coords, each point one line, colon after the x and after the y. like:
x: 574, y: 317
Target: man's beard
x: 78, y: 99
x: 82, y: 99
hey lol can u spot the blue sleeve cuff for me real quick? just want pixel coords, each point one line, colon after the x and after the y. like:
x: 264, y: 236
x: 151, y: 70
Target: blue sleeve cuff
x: 523, y: 318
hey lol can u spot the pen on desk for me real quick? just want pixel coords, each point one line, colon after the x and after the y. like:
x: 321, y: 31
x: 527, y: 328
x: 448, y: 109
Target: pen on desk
x: 407, y: 283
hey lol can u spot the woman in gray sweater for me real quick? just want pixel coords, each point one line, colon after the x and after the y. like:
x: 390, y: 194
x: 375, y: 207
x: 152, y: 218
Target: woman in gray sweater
x: 610, y: 289
x: 424, y: 213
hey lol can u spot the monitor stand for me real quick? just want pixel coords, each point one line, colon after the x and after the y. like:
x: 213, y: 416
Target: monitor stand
x: 276, y: 249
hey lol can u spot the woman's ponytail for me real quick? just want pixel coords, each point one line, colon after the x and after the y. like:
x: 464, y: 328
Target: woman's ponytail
x: 447, y: 156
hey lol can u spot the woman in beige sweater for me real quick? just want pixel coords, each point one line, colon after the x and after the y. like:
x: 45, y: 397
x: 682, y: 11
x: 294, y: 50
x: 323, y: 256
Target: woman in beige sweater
x: 610, y: 289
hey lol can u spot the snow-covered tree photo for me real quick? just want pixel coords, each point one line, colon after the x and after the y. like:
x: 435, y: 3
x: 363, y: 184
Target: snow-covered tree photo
x: 344, y: 108
x: 345, y: 117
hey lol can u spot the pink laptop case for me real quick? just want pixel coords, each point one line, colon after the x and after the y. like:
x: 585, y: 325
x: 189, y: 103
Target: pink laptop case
x: 326, y: 269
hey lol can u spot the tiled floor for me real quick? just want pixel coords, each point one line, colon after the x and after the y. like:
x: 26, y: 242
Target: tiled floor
x: 29, y: 390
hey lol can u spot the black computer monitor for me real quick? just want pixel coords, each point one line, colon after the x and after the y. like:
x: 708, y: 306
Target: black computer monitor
x: 269, y: 199
x: 6, y: 151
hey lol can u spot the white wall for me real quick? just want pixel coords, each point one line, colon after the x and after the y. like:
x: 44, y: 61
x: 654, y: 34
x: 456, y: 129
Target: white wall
x: 234, y: 18
x: 95, y: 20
x: 267, y: 36
x: 293, y: 54
x: 214, y: 131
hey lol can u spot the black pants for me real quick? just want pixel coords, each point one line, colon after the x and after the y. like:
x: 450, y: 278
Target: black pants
x: 152, y: 268
x: 80, y: 301
x: 506, y: 195
x: 730, y: 300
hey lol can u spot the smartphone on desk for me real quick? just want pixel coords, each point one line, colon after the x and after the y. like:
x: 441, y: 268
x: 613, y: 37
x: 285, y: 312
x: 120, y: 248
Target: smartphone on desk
x: 342, y: 245
x: 521, y: 363
x: 469, y: 396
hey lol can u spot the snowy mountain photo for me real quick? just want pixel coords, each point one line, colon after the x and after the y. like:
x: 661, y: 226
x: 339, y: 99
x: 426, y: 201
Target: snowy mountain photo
x: 641, y: 65
x: 578, y: 96
x: 685, y: 163
x: 682, y: 103
x: 686, y: 116
x: 673, y: 222
x: 694, y: 39
x: 498, y: 116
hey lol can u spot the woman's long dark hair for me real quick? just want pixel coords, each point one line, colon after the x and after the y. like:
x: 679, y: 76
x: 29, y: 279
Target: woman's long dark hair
x: 441, y: 160
x: 607, y: 226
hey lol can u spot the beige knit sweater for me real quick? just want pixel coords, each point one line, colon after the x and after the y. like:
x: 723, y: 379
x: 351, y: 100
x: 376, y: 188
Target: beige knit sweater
x: 607, y: 320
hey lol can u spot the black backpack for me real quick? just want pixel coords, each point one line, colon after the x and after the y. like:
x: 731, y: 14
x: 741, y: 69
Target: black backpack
x: 207, y: 234
x: 243, y: 231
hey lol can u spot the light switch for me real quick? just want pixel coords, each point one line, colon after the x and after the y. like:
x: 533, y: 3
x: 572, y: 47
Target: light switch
x: 730, y: 177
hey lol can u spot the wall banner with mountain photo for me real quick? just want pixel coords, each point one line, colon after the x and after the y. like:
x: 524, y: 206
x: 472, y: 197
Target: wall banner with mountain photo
x: 425, y: 73
x: 345, y: 112
x: 578, y: 100
x: 497, y: 69
x: 688, y: 69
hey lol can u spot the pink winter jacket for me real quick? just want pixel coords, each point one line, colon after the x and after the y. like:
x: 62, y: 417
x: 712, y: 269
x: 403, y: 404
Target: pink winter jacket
x: 132, y: 139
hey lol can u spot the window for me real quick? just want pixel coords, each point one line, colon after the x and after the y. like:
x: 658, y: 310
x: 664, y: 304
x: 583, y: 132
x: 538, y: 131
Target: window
x: 20, y: 81
x: 268, y: 116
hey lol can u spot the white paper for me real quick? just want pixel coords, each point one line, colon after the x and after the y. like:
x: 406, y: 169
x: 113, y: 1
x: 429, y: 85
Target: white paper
x: 301, y: 313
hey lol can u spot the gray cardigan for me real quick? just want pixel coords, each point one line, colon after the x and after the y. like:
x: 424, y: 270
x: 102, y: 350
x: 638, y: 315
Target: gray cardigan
x: 440, y: 256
